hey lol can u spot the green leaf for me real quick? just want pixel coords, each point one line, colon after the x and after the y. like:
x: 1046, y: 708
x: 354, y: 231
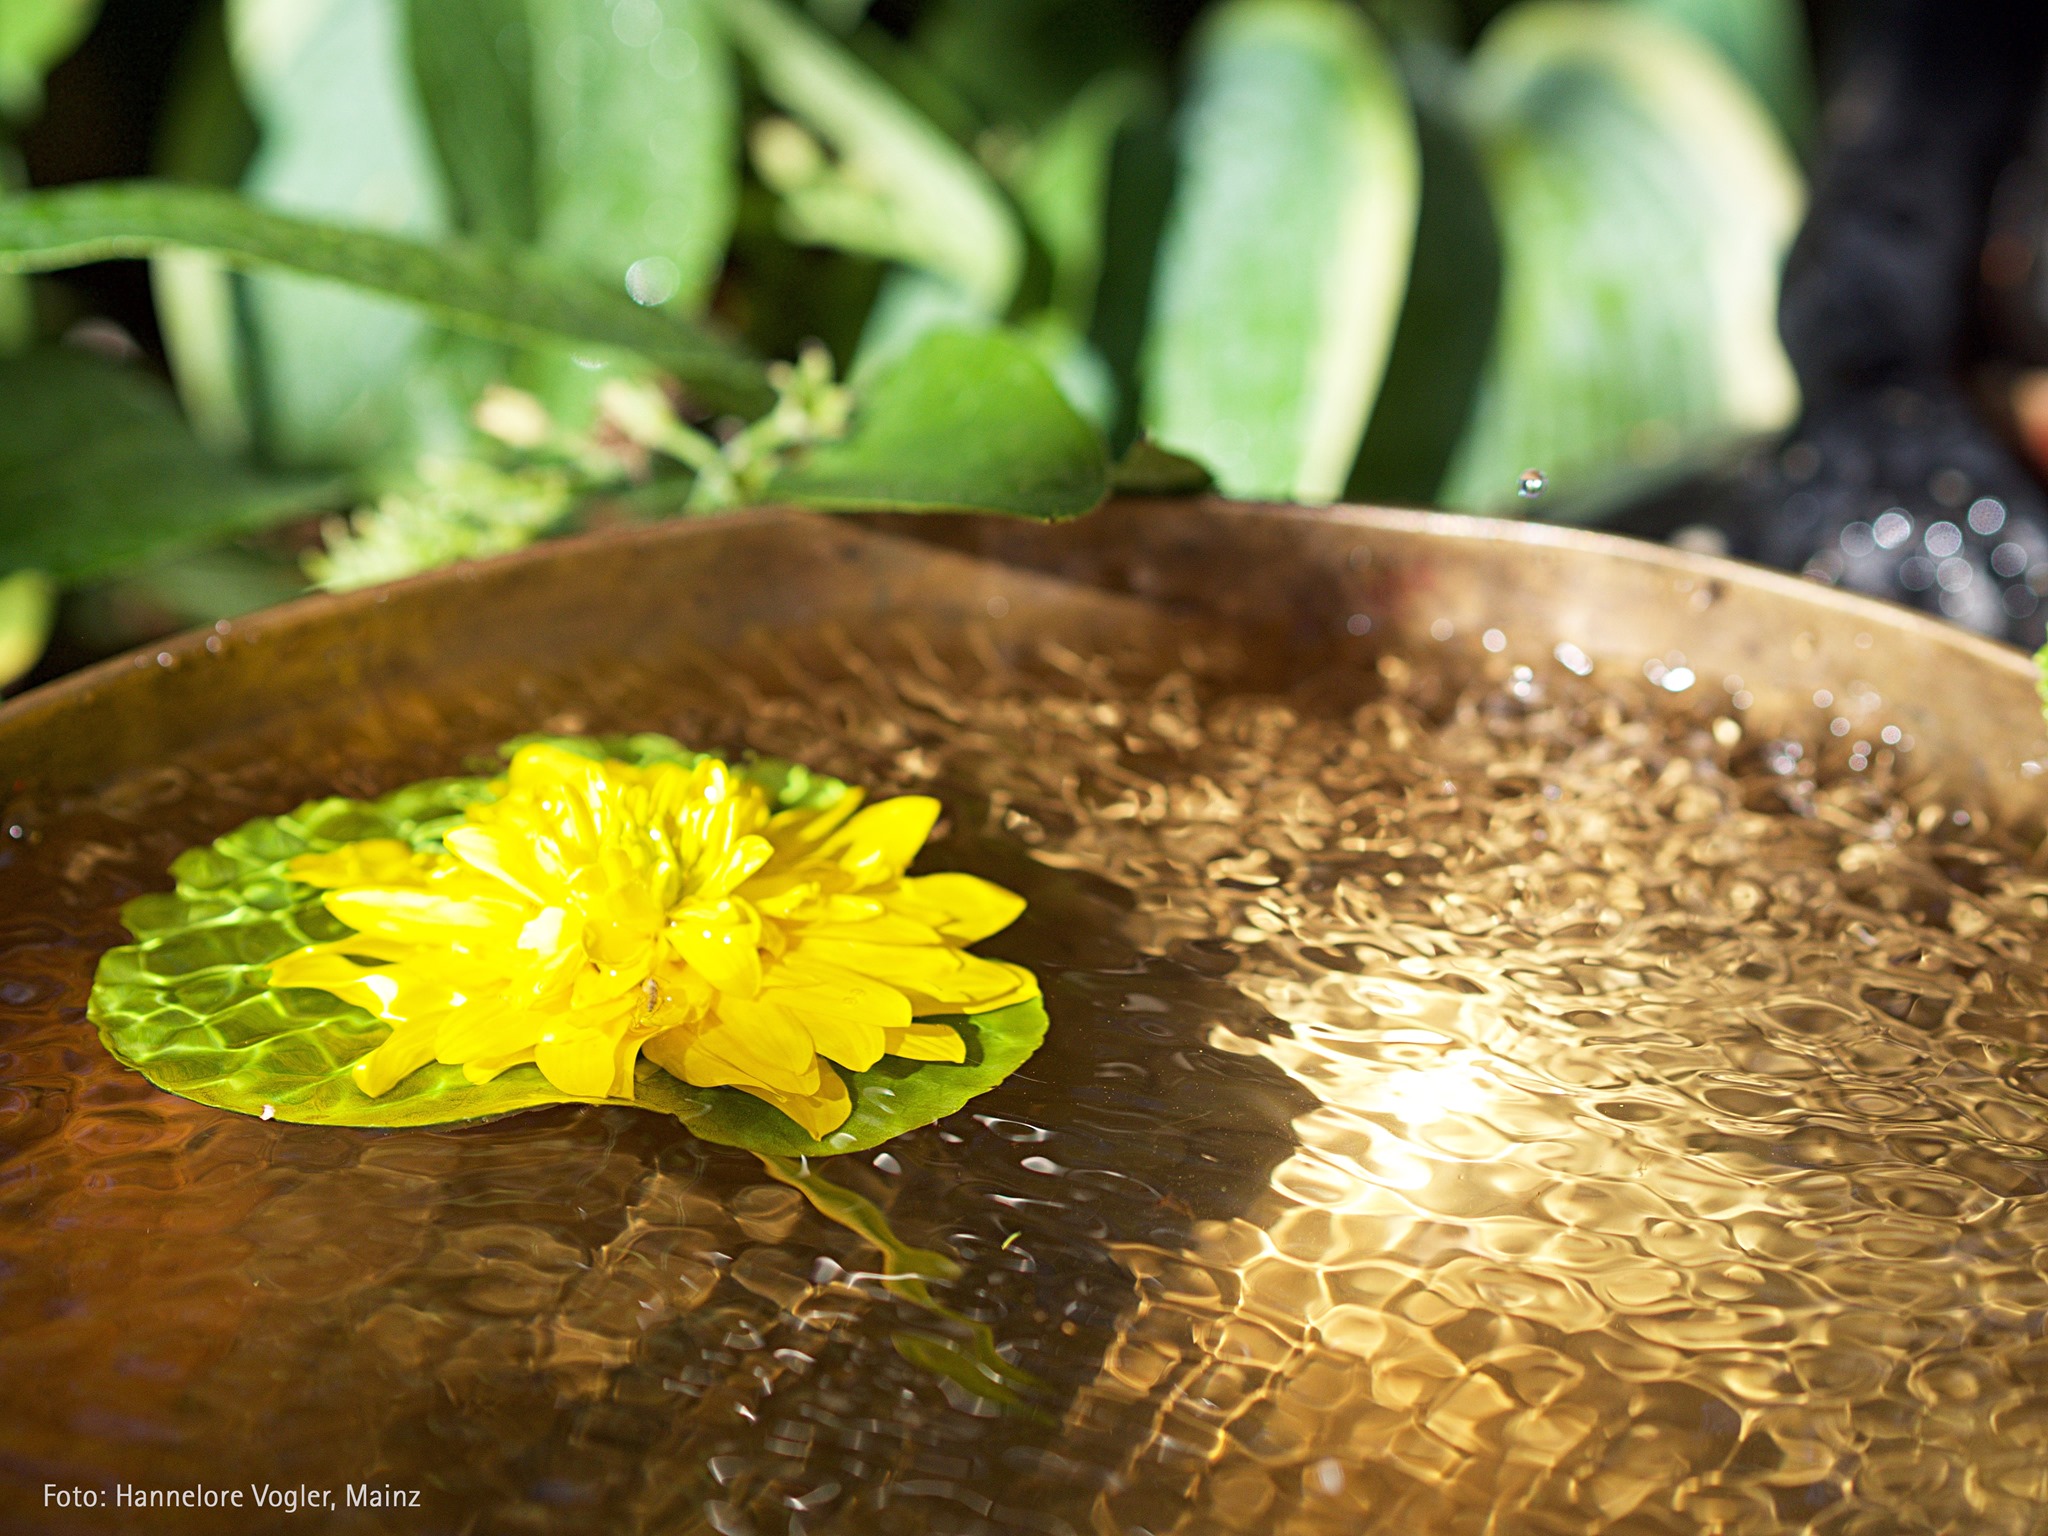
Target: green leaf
x: 963, y: 421
x: 1063, y: 186
x: 1645, y: 203
x: 1763, y: 41
x: 343, y: 139
x: 508, y: 296
x: 472, y: 65
x: 28, y: 607
x: 1447, y: 317
x: 98, y: 472
x: 638, y: 116
x: 188, y: 1004
x: 1025, y: 61
x: 899, y: 188
x: 207, y: 136
x: 34, y: 36
x: 1287, y: 251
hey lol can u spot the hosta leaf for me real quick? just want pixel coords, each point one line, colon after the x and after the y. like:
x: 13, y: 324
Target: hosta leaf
x: 1287, y: 252
x: 1764, y: 41
x: 342, y: 139
x: 472, y: 63
x: 1447, y: 317
x: 490, y: 293
x: 1063, y: 185
x: 188, y: 1004
x: 207, y: 136
x: 963, y: 420
x: 637, y: 121
x: 1644, y: 203
x: 98, y: 472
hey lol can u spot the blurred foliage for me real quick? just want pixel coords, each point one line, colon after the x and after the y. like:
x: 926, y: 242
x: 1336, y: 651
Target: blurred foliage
x: 486, y: 270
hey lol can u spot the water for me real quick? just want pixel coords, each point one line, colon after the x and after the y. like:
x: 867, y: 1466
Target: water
x: 1469, y: 1107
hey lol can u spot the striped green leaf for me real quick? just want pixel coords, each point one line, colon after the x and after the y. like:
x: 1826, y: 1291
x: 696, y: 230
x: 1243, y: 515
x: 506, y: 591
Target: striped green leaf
x: 1287, y: 248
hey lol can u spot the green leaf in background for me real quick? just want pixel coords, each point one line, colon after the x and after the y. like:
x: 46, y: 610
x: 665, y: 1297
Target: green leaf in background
x: 1764, y: 41
x: 28, y: 607
x: 910, y: 305
x: 637, y: 119
x: 508, y: 296
x: 189, y: 1006
x: 1645, y: 203
x: 472, y: 67
x: 1024, y: 62
x: 899, y: 188
x: 17, y: 302
x: 35, y: 35
x: 1447, y: 317
x: 342, y: 139
x: 206, y: 136
x: 1063, y: 186
x: 98, y: 472
x: 1287, y: 251
x: 964, y: 421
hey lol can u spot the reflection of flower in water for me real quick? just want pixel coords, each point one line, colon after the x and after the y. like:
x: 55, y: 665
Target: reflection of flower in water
x: 595, y: 910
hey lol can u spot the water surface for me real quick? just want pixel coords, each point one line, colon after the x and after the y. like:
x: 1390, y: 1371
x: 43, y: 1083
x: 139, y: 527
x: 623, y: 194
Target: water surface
x: 1503, y: 1106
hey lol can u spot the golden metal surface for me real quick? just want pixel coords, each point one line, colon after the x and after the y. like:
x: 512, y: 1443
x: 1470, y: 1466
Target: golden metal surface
x: 1297, y: 574
x: 1485, y: 1148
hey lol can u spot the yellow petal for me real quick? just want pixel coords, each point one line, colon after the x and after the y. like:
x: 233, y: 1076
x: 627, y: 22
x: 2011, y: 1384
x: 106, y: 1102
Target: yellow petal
x: 801, y: 831
x: 880, y: 842
x: 498, y: 853
x: 852, y: 1037
x: 927, y: 1042
x: 964, y: 908
x: 479, y: 1028
x: 373, y: 861
x: 819, y: 1113
x: 931, y: 971
x: 747, y: 1045
x: 422, y: 917
x: 721, y: 942
x: 582, y: 1063
x: 408, y: 1048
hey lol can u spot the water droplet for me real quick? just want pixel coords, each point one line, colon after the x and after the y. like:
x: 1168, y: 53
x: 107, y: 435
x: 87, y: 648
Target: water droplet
x: 653, y: 280
x: 1531, y: 483
x: 270, y: 1111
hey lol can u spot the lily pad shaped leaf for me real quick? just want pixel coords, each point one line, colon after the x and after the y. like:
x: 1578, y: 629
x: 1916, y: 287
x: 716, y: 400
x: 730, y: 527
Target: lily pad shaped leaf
x: 190, y: 1006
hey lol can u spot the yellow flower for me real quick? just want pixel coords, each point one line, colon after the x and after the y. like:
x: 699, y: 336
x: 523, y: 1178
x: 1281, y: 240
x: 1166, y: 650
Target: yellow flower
x: 595, y: 910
